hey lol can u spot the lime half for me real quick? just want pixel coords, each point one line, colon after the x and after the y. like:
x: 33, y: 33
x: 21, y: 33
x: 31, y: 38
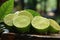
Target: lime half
x: 54, y: 26
x: 22, y: 22
x: 8, y: 19
x: 40, y: 23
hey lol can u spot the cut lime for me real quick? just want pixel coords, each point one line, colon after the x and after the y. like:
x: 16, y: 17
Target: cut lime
x: 22, y: 22
x: 34, y: 13
x: 41, y: 24
x: 54, y: 26
x: 8, y: 19
x: 26, y: 13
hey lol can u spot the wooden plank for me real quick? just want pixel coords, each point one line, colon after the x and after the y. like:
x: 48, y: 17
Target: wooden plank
x: 16, y: 36
x: 45, y: 36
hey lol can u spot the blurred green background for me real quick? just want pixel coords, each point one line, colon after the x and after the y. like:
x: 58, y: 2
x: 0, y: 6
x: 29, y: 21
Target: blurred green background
x: 47, y: 8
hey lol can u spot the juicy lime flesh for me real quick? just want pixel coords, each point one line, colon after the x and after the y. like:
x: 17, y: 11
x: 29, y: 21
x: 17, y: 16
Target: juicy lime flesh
x: 26, y: 14
x: 8, y: 19
x: 40, y: 22
x: 21, y: 21
x: 54, y: 24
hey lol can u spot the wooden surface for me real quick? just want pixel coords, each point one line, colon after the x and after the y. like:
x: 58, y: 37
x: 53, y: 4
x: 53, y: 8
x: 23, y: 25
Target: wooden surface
x: 14, y: 36
x: 34, y: 35
x: 45, y: 36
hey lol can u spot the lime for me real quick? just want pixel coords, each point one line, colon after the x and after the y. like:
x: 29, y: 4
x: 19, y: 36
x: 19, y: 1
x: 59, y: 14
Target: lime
x: 22, y: 22
x: 54, y: 26
x: 8, y: 19
x: 40, y: 23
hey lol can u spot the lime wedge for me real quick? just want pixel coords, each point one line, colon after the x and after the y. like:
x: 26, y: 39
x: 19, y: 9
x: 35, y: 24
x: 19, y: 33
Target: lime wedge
x: 22, y: 22
x: 8, y: 19
x: 26, y: 13
x: 54, y: 26
x: 40, y: 23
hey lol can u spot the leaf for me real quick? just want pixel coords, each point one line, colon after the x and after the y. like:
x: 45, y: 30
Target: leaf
x: 6, y: 8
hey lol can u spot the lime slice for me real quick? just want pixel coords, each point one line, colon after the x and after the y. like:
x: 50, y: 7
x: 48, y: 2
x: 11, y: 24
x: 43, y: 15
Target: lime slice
x: 22, y: 22
x: 8, y: 19
x: 40, y: 23
x: 54, y: 26
x: 26, y: 13
x: 34, y: 13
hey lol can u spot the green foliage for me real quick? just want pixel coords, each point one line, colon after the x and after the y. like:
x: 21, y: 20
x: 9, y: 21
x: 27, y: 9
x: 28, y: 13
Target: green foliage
x: 6, y: 8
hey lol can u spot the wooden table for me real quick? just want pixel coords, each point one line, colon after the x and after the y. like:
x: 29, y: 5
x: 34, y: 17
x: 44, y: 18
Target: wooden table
x: 14, y: 36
